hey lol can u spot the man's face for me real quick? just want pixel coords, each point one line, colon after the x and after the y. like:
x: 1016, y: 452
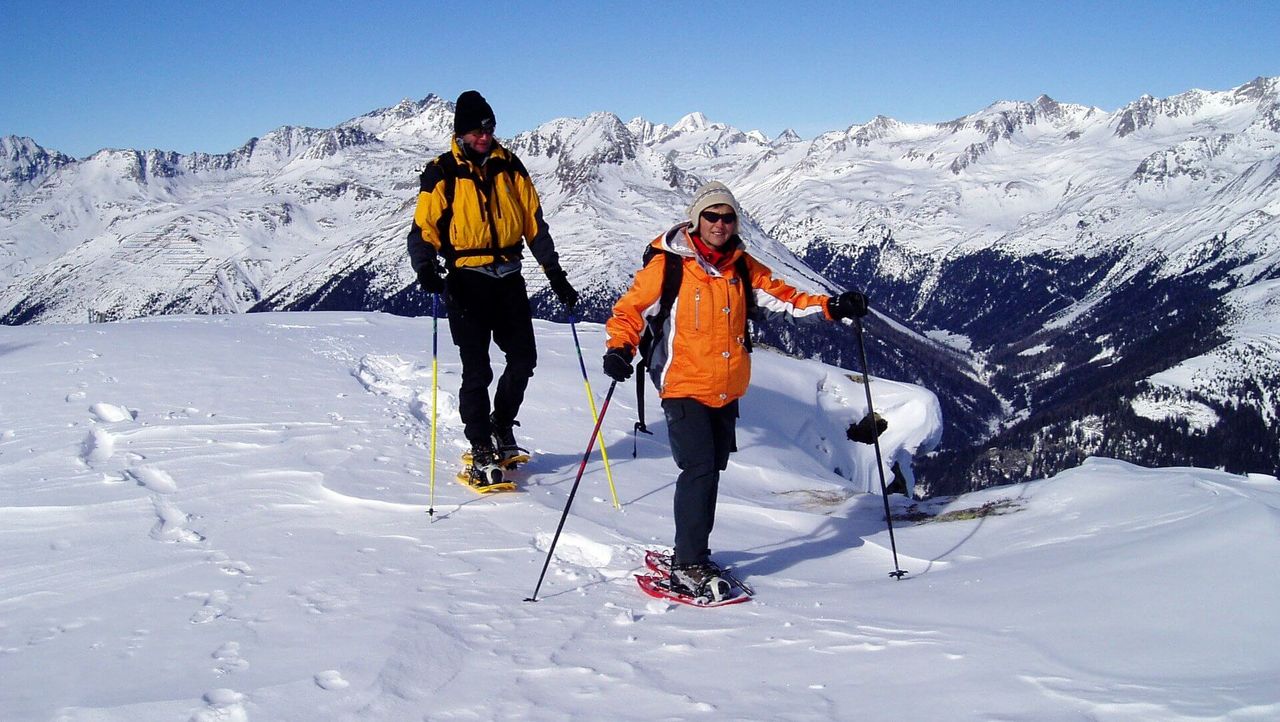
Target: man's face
x: 480, y: 140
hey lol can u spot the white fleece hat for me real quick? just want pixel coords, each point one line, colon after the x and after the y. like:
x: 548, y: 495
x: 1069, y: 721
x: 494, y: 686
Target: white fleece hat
x: 711, y: 194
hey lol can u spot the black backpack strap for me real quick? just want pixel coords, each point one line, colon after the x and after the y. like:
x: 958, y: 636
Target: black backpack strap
x: 672, y: 275
x: 448, y: 166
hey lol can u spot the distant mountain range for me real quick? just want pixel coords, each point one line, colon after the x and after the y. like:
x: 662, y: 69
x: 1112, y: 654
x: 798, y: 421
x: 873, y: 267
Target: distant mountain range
x: 1069, y: 281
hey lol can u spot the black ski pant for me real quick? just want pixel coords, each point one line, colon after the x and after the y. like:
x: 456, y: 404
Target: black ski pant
x: 701, y: 439
x: 483, y: 308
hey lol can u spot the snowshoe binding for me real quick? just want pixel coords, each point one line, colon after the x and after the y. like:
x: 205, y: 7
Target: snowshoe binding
x: 701, y: 585
x: 483, y: 474
x: 659, y: 562
x: 701, y: 580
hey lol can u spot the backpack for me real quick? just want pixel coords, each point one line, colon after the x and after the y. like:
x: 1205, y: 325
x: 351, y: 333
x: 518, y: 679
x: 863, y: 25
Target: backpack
x: 451, y: 170
x: 672, y: 276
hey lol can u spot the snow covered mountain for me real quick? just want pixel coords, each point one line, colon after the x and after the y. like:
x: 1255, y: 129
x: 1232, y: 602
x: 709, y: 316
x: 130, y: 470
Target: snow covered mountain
x: 127, y: 233
x: 1070, y: 281
x: 24, y: 164
x: 1115, y: 272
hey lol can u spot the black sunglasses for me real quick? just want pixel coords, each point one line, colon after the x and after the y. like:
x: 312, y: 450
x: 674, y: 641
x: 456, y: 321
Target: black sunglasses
x: 713, y: 217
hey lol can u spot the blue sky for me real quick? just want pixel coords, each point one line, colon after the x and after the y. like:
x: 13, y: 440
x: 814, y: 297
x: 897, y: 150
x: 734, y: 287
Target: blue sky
x: 207, y: 76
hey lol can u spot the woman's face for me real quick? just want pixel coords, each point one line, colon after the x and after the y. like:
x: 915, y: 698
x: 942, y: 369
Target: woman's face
x: 717, y: 225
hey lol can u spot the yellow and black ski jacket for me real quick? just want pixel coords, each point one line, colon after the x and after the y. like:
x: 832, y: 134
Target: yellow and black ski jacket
x: 477, y: 215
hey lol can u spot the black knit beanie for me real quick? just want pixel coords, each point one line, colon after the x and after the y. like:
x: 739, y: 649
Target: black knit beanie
x: 472, y: 112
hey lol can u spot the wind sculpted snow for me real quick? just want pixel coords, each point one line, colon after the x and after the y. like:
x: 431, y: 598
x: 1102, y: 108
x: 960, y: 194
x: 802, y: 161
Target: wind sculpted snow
x: 224, y: 518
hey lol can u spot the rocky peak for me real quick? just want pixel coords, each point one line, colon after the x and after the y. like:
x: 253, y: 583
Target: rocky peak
x: 1146, y: 110
x: 23, y: 161
x: 877, y: 128
x: 692, y: 123
x: 642, y: 129
x: 579, y: 147
x: 1258, y: 89
x: 426, y: 122
x: 786, y: 137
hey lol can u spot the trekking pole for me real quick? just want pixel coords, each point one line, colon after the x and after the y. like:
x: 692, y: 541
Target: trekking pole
x: 639, y: 427
x: 897, y: 572
x: 591, y: 399
x: 435, y: 366
x: 585, y: 455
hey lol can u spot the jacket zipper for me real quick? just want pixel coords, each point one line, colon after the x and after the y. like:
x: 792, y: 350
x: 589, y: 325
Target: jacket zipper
x: 486, y: 188
x: 493, y: 187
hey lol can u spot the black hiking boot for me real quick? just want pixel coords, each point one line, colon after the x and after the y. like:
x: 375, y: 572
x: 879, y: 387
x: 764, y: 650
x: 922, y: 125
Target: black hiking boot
x: 701, y: 579
x: 484, y: 469
x: 504, y: 441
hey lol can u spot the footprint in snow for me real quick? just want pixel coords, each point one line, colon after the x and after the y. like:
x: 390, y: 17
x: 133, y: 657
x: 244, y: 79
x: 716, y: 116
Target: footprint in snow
x: 222, y: 705
x: 233, y: 568
x: 98, y: 446
x: 214, y: 606
x: 318, y: 600
x: 171, y: 524
x: 157, y: 480
x: 110, y: 413
x: 40, y: 635
x: 229, y: 659
x: 331, y: 679
x: 390, y: 376
x: 577, y: 550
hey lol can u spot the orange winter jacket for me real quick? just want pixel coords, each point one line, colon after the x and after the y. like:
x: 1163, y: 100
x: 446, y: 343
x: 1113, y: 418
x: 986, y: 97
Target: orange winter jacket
x: 701, y: 352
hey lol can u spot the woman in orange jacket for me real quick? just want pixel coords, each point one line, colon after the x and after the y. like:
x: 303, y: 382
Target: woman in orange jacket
x: 699, y: 359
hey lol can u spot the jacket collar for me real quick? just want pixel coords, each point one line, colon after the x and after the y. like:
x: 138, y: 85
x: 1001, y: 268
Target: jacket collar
x: 676, y: 240
x: 497, y: 151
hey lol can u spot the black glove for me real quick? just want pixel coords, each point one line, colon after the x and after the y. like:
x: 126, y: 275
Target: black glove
x: 430, y: 280
x: 847, y: 305
x: 867, y: 430
x: 560, y: 286
x: 617, y: 363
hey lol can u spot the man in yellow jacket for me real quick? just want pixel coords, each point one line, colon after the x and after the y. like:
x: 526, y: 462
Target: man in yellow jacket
x: 477, y: 209
x: 699, y: 359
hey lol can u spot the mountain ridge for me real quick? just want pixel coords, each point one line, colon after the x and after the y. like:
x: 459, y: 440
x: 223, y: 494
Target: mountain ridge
x: 1025, y: 225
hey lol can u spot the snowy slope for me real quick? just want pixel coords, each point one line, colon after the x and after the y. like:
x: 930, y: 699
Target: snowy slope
x: 178, y: 544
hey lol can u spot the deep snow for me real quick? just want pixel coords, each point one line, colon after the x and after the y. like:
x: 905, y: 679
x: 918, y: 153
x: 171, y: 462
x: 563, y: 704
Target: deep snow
x: 225, y: 518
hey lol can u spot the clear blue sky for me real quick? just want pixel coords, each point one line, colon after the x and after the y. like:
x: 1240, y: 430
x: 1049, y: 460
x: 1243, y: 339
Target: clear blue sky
x: 210, y: 74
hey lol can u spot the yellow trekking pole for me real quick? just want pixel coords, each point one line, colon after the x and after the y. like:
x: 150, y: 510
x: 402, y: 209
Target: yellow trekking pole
x: 595, y: 418
x: 435, y: 366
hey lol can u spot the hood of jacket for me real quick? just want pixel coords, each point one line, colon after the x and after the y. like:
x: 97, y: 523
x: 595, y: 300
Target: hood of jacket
x: 676, y: 240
